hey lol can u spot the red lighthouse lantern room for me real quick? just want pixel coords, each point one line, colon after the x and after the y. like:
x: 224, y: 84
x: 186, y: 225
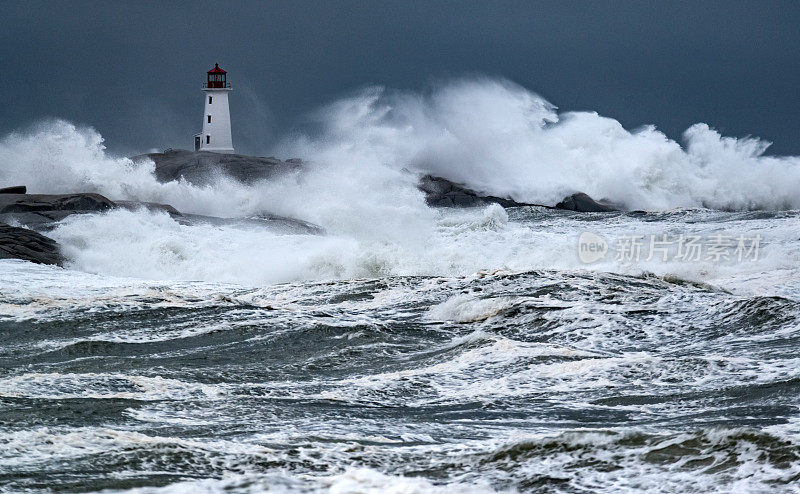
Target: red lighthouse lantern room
x: 216, y: 77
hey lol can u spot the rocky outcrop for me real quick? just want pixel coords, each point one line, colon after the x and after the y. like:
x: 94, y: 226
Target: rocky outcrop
x: 17, y: 189
x: 40, y: 211
x: 150, y: 206
x: 202, y: 167
x: 440, y: 192
x: 583, y: 203
x: 29, y: 203
x: 272, y: 222
x: 21, y: 243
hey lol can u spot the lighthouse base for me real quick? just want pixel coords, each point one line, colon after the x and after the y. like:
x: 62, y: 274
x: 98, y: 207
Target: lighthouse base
x: 199, y: 145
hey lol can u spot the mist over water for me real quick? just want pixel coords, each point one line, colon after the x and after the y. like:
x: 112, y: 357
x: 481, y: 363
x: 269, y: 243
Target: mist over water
x: 498, y: 137
x: 489, y: 134
x: 409, y: 348
x: 359, y: 183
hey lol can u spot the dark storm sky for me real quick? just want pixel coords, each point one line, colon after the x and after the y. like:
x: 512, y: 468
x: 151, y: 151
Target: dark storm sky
x: 133, y: 70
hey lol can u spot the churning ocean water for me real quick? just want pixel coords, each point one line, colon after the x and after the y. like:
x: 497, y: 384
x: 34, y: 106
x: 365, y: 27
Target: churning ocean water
x: 413, y: 349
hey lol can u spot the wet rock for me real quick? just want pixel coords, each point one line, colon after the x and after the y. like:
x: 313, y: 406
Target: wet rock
x: 28, y: 245
x: 203, y: 167
x: 440, y: 192
x: 30, y: 203
x: 17, y: 189
x: 150, y: 206
x: 583, y: 203
x: 42, y: 211
x: 40, y: 220
x: 272, y: 222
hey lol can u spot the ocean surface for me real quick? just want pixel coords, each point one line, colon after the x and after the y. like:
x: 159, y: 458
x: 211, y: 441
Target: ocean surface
x: 412, y: 349
x: 581, y: 379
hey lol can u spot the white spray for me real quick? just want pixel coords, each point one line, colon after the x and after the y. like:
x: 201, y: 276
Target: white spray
x: 491, y: 135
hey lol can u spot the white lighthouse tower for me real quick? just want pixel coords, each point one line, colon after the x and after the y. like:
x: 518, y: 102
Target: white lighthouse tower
x: 216, y: 135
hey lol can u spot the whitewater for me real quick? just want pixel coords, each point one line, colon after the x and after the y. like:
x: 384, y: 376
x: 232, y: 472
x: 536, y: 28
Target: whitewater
x: 410, y: 348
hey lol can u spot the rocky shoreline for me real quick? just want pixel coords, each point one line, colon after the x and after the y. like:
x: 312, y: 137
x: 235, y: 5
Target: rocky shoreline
x: 41, y: 212
x: 28, y: 245
x: 440, y: 192
x: 202, y: 167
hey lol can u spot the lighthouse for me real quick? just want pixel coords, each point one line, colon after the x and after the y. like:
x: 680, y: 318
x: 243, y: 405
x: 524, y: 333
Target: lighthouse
x: 216, y: 135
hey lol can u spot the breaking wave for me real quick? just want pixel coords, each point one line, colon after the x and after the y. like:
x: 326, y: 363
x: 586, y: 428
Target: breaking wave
x: 500, y: 138
x: 492, y: 135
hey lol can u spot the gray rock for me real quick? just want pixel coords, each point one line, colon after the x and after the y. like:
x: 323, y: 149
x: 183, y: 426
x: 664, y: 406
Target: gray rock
x: 275, y: 223
x: 583, y: 203
x: 31, y: 203
x: 28, y: 245
x: 440, y: 192
x: 435, y: 186
x: 43, y: 211
x: 17, y: 189
x: 39, y: 220
x: 150, y: 206
x: 202, y: 167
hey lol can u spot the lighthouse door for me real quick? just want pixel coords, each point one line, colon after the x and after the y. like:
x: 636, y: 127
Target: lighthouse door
x: 197, y: 143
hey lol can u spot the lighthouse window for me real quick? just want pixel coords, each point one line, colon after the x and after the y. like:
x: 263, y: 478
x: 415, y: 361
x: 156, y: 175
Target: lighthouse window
x: 209, y: 119
x: 208, y: 139
x: 209, y: 100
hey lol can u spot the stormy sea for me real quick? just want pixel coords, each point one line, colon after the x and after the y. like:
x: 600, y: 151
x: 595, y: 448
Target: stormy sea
x: 410, y: 348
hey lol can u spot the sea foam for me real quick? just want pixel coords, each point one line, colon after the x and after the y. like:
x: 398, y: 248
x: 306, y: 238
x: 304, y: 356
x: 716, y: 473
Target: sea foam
x: 491, y: 135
